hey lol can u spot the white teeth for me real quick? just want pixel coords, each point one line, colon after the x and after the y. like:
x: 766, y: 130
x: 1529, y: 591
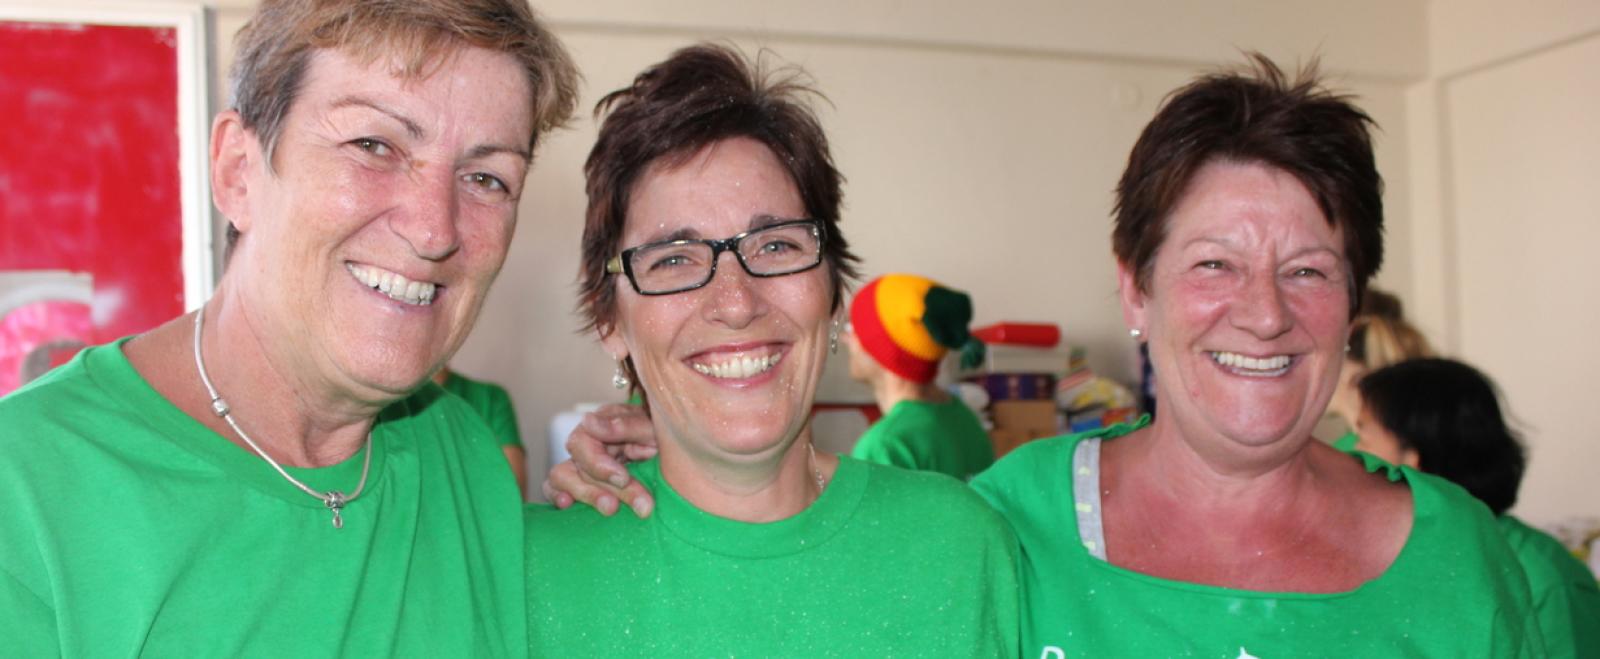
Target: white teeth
x: 1265, y: 366
x: 738, y: 368
x: 393, y: 285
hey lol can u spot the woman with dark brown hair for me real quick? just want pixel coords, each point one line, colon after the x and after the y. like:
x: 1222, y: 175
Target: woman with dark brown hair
x: 1248, y: 224
x: 713, y: 271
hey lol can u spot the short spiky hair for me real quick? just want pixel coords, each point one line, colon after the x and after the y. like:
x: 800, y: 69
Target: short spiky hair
x: 699, y: 96
x: 1255, y: 116
x: 273, y: 51
x: 274, y: 48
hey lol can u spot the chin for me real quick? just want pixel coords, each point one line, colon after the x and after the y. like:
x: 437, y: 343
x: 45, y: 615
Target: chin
x: 755, y: 437
x: 391, y: 370
x: 1273, y: 424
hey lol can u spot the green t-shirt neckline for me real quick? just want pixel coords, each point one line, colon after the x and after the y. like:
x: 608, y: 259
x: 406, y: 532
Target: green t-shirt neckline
x: 110, y: 369
x: 1402, y: 563
x: 808, y: 529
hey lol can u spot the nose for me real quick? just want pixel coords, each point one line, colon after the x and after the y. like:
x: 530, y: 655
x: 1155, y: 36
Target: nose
x: 428, y: 213
x: 1261, y: 309
x: 732, y: 300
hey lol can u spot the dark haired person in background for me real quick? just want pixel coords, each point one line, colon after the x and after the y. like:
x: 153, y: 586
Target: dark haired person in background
x: 1443, y: 417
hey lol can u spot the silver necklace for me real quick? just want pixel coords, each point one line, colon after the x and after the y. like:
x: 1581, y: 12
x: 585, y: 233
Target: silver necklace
x: 816, y: 472
x: 333, y: 499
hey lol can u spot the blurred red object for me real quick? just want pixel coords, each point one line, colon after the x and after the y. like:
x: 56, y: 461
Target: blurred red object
x: 1040, y: 335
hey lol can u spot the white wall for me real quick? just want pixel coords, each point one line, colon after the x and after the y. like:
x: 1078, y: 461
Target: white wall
x: 1507, y: 221
x: 981, y: 142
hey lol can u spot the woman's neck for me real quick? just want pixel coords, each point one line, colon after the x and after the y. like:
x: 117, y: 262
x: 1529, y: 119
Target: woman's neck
x: 757, y: 491
x: 889, y: 389
x: 295, y: 421
x: 1285, y: 524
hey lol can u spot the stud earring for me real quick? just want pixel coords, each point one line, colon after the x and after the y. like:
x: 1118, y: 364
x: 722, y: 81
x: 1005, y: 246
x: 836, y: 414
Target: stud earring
x: 833, y: 338
x: 619, y: 379
x: 1136, y: 333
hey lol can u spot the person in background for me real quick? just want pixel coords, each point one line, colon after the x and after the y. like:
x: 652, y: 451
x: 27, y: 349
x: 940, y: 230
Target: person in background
x: 1380, y: 335
x: 900, y: 328
x: 273, y: 475
x: 491, y: 402
x: 1443, y: 417
x: 712, y: 268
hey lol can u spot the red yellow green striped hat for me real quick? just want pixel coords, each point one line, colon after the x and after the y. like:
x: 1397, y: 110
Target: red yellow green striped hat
x: 907, y: 323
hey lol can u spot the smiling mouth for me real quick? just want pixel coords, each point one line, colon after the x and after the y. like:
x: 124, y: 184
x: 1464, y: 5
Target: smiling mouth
x: 735, y: 366
x: 393, y: 284
x: 1256, y: 367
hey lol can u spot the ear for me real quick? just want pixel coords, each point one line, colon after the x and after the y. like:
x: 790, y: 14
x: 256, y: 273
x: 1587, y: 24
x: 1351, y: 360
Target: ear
x: 1133, y: 299
x: 234, y: 155
x: 611, y: 340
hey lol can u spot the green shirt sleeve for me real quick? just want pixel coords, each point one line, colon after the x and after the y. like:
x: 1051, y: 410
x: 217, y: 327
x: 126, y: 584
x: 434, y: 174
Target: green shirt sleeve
x: 502, y: 417
x: 1566, y: 598
x: 490, y: 401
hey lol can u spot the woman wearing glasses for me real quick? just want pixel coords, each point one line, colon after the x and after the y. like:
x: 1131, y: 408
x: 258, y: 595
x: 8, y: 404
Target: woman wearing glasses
x: 712, y: 271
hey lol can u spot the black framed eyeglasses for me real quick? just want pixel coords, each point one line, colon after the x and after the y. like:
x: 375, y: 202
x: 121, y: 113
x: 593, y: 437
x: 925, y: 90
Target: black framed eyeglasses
x: 675, y: 266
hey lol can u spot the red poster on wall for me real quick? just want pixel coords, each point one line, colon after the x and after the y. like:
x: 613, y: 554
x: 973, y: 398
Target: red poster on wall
x: 91, y: 192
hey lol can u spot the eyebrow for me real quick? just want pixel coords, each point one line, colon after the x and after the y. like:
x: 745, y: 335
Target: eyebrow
x: 415, y: 130
x: 1229, y: 244
x: 757, y: 222
x: 486, y: 150
x: 412, y: 127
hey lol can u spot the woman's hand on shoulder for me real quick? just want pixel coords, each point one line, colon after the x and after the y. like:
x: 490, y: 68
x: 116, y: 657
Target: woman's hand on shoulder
x: 595, y: 475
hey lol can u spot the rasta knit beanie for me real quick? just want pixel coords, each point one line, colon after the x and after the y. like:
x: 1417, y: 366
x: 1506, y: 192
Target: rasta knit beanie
x: 907, y: 323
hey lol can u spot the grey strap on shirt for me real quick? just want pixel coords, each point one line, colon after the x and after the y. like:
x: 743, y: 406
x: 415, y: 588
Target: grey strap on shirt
x: 1086, y: 495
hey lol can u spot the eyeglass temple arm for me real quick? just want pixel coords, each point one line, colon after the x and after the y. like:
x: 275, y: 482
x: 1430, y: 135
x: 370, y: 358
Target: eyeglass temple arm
x: 614, y: 266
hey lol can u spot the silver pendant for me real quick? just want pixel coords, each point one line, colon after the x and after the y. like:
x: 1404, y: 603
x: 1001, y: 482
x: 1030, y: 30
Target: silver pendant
x: 335, y: 503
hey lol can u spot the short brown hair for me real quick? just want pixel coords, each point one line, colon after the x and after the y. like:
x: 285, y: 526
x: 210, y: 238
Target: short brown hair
x: 1259, y: 116
x: 699, y: 96
x: 273, y: 50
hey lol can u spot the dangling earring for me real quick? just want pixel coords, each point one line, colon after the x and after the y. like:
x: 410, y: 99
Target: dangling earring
x: 1136, y: 333
x: 833, y: 338
x: 619, y: 379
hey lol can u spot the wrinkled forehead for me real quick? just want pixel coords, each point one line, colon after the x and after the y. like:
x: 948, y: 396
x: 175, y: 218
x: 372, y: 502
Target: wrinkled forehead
x: 486, y: 87
x: 1251, y: 204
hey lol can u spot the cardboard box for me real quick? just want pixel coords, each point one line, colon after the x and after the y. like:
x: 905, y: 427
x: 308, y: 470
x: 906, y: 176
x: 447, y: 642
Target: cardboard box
x: 1030, y: 416
x: 1005, y: 440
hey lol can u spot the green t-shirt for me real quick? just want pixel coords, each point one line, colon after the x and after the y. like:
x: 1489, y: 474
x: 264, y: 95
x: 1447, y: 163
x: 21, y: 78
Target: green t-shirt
x: 1565, y: 595
x: 1347, y: 442
x: 130, y: 529
x: 491, y: 402
x: 886, y: 562
x: 1454, y: 590
x: 944, y: 437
